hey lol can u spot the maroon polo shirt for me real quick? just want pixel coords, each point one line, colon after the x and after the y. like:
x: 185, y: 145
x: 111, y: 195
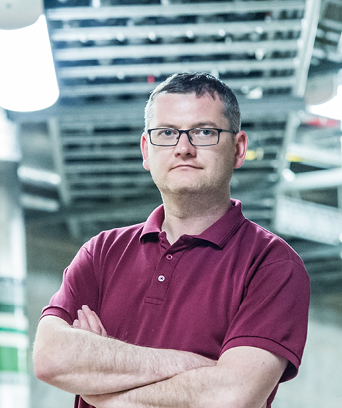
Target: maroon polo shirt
x: 236, y: 284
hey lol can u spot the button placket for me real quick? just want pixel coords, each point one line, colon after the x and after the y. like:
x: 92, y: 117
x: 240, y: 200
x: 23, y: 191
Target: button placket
x: 162, y: 278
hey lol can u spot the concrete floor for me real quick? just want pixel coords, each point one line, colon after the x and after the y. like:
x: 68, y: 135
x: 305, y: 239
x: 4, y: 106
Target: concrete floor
x: 318, y: 384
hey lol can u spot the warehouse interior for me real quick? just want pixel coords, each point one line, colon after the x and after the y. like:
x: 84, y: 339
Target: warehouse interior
x: 81, y: 168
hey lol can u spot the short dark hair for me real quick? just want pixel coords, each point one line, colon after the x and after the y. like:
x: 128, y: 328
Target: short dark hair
x: 200, y: 83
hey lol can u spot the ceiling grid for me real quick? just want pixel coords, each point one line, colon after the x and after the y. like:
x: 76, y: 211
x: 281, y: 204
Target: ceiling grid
x: 109, y: 58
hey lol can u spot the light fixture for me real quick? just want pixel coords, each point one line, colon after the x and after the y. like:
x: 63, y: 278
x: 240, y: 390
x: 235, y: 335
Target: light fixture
x: 19, y: 13
x: 331, y: 106
x: 330, y: 109
x: 27, y: 73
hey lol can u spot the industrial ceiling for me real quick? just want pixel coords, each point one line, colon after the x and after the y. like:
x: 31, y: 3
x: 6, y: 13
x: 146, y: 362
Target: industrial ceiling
x: 82, y: 167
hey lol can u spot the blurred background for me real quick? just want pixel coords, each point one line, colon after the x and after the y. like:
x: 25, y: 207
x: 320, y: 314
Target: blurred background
x: 73, y: 169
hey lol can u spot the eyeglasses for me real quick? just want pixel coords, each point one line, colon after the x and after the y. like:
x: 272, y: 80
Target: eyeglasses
x: 196, y: 137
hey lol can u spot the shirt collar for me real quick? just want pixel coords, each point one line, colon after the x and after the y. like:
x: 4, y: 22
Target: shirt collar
x: 223, y: 229
x: 219, y: 233
x: 154, y: 222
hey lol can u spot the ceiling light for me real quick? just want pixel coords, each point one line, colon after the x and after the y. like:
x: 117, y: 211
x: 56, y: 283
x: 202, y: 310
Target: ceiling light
x: 288, y: 175
x: 189, y: 34
x: 259, y: 30
x: 16, y: 14
x: 27, y: 74
x: 96, y: 3
x: 120, y: 37
x: 152, y: 36
x: 330, y: 109
x: 259, y: 54
x: 255, y: 93
x: 30, y: 174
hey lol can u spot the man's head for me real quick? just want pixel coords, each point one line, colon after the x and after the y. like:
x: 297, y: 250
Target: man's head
x: 200, y: 84
x: 184, y: 165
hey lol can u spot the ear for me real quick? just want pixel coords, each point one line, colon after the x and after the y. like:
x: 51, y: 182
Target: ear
x: 241, y: 145
x: 144, y: 150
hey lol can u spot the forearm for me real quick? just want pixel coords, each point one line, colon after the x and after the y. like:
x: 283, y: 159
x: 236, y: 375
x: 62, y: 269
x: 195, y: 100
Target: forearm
x: 195, y: 389
x: 244, y: 378
x: 198, y: 388
x: 82, y: 362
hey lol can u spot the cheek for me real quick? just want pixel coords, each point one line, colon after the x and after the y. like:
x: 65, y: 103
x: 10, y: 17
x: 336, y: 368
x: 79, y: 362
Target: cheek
x: 225, y: 164
x: 154, y: 164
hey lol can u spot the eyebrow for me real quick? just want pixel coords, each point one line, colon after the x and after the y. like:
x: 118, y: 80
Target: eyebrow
x: 208, y: 123
x: 197, y: 125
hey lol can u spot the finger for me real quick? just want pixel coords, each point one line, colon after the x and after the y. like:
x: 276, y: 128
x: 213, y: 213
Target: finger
x: 93, y: 320
x: 76, y: 324
x: 84, y: 324
x: 103, y: 330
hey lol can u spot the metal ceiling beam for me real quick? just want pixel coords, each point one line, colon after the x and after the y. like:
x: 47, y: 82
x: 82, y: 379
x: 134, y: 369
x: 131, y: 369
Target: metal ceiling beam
x: 306, y: 44
x: 308, y: 220
x: 313, y: 180
x: 113, y: 179
x: 38, y: 203
x: 77, y: 91
x: 122, y: 167
x: 220, y: 29
x: 57, y: 150
x: 104, y: 153
x: 167, y: 68
x: 87, y: 137
x: 326, y: 158
x: 124, y: 113
x: 172, y: 10
x: 169, y: 50
x: 124, y: 192
x: 131, y: 210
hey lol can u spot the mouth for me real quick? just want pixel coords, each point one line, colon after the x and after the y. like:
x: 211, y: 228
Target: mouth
x: 185, y: 166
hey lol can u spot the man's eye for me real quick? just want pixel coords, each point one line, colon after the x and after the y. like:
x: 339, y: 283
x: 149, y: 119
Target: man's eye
x: 205, y: 132
x: 166, y: 132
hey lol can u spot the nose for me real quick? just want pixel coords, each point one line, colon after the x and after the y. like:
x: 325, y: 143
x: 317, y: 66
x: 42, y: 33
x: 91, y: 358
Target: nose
x: 184, y: 147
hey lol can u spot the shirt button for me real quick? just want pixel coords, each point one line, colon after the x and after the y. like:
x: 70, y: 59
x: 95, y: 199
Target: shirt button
x: 169, y: 257
x: 161, y: 278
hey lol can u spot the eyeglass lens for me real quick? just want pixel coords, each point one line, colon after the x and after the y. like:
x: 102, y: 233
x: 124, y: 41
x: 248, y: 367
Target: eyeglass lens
x: 198, y: 136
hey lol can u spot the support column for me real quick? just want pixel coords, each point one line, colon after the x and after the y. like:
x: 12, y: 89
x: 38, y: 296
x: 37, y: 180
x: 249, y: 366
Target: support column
x: 14, y: 343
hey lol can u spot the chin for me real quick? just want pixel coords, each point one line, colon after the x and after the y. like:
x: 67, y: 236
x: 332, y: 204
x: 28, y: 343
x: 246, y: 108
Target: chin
x: 190, y: 189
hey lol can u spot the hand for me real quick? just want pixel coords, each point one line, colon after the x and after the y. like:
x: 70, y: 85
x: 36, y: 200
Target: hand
x: 89, y: 320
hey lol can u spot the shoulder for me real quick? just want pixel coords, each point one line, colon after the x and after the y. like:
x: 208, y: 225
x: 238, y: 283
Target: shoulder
x: 118, y: 237
x: 252, y: 241
x: 266, y: 244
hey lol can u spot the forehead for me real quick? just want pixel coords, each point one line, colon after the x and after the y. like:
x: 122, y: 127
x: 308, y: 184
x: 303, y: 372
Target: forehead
x: 188, y: 106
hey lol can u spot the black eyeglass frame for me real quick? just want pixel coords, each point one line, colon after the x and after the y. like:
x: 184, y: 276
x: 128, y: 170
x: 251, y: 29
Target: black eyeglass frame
x: 186, y: 131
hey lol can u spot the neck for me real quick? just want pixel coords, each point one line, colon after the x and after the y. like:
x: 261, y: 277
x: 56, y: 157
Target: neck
x: 191, y: 215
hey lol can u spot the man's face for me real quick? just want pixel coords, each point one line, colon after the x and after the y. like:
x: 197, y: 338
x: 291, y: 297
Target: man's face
x: 185, y: 168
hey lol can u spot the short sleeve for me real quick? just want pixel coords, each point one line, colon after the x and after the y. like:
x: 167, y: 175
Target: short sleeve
x: 273, y: 314
x: 79, y: 287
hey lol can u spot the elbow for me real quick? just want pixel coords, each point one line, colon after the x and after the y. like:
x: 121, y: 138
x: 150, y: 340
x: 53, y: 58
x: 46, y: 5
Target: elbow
x: 49, y: 356
x: 44, y: 367
x: 41, y: 368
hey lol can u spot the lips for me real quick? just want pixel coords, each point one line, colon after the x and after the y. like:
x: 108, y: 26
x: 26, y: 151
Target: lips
x: 185, y: 166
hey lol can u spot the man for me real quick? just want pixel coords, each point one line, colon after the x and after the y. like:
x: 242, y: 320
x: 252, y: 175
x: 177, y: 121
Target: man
x: 197, y: 307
